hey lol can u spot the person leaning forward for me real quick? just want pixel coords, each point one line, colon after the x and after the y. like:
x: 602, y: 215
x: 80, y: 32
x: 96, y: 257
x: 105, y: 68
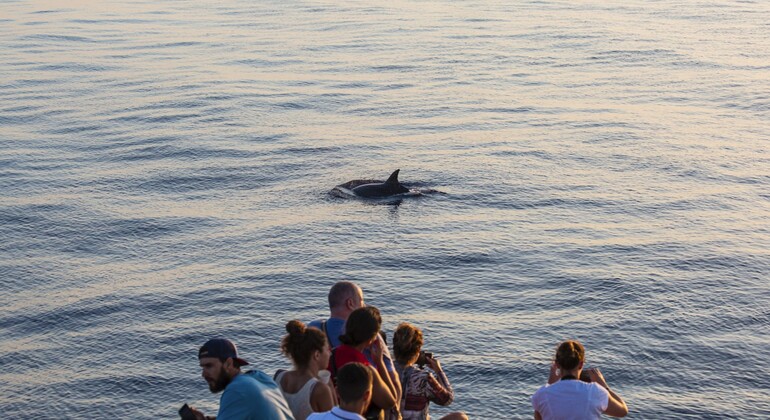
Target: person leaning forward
x: 250, y: 395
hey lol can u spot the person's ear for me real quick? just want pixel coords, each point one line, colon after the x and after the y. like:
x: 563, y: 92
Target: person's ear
x: 229, y: 363
x: 580, y: 366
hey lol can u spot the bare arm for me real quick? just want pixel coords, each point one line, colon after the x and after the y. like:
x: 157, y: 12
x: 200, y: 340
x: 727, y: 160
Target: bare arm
x: 322, y: 398
x: 377, y: 354
x: 394, y: 379
x: 554, y: 375
x: 616, y: 407
x: 396, y: 383
x: 382, y: 394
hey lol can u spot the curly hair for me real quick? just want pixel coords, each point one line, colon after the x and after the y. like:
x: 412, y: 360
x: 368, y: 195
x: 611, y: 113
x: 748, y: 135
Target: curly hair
x: 407, y: 342
x: 300, y: 342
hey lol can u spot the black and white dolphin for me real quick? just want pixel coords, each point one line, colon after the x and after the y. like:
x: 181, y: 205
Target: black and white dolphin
x: 381, y: 189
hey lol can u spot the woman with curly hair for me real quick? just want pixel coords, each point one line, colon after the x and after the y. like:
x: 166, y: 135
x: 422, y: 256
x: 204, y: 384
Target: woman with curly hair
x: 421, y: 386
x: 309, y: 351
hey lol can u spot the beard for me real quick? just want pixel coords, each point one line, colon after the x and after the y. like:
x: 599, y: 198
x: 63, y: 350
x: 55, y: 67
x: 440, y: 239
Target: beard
x: 220, y: 382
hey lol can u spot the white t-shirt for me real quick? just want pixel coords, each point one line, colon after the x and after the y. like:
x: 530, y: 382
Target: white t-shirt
x: 336, y: 413
x: 570, y: 399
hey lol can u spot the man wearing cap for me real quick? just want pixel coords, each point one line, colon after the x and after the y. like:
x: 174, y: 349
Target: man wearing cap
x: 248, y: 395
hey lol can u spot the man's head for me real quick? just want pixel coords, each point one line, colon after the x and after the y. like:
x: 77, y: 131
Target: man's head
x: 219, y: 363
x: 344, y: 298
x: 354, y: 385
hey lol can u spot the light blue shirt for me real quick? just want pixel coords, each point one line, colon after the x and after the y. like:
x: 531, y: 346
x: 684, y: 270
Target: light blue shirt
x: 253, y: 396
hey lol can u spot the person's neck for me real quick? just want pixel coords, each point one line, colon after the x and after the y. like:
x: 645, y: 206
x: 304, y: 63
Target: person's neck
x: 358, y: 407
x: 340, y: 313
x: 571, y: 374
x: 233, y: 374
x: 309, y: 371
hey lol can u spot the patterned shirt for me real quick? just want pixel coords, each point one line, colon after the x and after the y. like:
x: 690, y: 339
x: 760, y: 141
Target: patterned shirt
x: 420, y: 388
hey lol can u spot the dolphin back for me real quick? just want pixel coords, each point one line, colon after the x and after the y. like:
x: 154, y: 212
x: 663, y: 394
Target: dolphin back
x: 381, y: 189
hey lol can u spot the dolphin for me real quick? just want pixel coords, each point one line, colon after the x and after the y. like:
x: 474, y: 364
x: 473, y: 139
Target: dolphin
x: 381, y: 189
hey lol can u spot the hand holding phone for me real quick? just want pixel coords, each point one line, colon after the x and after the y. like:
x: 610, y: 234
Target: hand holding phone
x: 187, y: 413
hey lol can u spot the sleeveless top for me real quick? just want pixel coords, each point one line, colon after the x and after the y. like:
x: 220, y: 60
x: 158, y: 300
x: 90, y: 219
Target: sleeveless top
x: 299, y: 402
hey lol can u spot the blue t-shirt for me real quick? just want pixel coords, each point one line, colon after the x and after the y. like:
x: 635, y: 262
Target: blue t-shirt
x: 253, y: 396
x: 336, y: 327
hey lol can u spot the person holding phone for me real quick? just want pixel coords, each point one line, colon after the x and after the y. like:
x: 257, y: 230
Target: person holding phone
x: 420, y: 386
x: 250, y: 395
x: 567, y: 397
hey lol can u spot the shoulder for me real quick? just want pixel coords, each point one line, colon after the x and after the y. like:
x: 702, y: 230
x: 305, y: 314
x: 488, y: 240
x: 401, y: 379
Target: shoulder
x: 540, y: 393
x: 321, y: 391
x: 316, y: 324
x: 416, y: 374
x: 599, y: 394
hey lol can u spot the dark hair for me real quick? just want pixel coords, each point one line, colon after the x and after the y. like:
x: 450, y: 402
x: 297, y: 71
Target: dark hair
x: 353, y: 380
x: 407, y: 342
x: 300, y: 342
x: 569, y: 354
x: 341, y: 291
x: 362, y: 326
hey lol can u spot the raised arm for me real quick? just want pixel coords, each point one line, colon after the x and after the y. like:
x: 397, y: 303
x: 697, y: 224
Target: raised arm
x: 384, y: 393
x: 616, y: 407
x: 439, y: 386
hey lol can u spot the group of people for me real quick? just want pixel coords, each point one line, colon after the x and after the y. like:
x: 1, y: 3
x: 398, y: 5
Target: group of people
x: 343, y: 369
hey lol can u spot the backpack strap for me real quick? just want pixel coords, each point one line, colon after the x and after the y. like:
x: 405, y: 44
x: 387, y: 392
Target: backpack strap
x: 326, y: 333
x: 333, y: 364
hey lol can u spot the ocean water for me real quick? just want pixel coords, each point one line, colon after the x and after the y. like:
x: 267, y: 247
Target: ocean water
x: 602, y: 171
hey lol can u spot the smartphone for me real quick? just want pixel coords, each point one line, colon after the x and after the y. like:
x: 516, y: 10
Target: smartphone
x: 186, y: 413
x: 422, y: 359
x: 585, y: 376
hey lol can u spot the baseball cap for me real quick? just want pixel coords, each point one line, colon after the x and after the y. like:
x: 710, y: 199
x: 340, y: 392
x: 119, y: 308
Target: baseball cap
x: 221, y: 348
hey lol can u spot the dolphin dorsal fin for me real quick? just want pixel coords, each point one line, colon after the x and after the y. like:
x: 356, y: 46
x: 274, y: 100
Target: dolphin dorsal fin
x: 393, y: 179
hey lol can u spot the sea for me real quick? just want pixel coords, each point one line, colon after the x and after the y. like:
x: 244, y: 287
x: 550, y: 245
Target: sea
x: 591, y: 170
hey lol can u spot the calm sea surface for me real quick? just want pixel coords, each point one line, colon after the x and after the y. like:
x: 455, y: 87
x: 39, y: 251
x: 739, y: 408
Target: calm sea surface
x: 603, y: 168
